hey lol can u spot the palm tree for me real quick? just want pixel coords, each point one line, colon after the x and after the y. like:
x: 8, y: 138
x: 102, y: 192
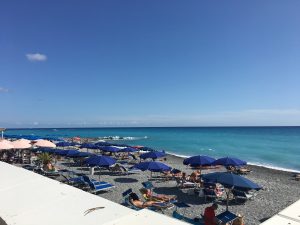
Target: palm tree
x: 44, y: 158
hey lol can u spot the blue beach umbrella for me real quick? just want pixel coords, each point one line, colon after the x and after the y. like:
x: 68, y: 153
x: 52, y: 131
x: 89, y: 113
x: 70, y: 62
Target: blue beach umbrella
x: 103, y: 143
x: 128, y: 149
x: 85, y: 154
x: 109, y: 149
x: 59, y: 151
x: 46, y: 150
x: 152, y: 166
x: 230, y: 181
x: 65, y: 144
x: 199, y: 160
x: 101, y: 161
x: 72, y: 153
x: 152, y: 155
x: 89, y: 145
x: 228, y: 161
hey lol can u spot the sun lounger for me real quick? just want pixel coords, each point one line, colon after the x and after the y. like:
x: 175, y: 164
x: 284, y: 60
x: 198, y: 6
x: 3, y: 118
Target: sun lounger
x: 49, y: 173
x: 126, y: 202
x: 242, y: 170
x: 241, y: 195
x: 185, y: 184
x: 75, y: 181
x: 97, y: 186
x: 209, y: 193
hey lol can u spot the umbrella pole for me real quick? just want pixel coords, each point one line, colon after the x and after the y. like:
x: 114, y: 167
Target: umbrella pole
x: 99, y: 172
x: 227, y: 200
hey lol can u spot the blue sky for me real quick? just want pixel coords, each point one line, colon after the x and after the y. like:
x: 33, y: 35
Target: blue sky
x: 149, y: 63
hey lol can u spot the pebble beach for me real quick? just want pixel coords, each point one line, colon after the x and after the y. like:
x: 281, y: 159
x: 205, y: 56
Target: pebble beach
x: 280, y: 190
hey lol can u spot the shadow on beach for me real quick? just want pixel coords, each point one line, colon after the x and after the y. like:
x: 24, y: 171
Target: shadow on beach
x: 125, y: 180
x: 181, y: 196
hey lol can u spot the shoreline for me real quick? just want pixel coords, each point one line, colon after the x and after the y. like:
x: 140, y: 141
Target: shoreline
x: 250, y: 164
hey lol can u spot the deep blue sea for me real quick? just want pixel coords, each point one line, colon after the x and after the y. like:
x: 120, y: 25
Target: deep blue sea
x: 276, y: 147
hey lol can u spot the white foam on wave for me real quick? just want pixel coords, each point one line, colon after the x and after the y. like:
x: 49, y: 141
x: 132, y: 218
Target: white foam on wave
x: 249, y: 163
x: 118, y: 138
x: 269, y: 166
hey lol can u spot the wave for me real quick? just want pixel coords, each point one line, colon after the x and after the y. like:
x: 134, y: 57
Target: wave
x: 265, y: 165
x: 118, y: 138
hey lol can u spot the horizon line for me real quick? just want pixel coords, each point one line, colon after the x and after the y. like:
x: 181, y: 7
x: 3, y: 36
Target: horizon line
x: 227, y: 126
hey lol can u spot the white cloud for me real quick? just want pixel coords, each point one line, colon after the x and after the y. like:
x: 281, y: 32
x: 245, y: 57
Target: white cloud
x: 3, y: 90
x: 36, y: 57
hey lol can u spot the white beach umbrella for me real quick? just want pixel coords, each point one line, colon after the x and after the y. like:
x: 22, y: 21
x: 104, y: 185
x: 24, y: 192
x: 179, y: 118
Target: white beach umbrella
x: 44, y: 143
x: 5, y: 145
x: 21, y: 144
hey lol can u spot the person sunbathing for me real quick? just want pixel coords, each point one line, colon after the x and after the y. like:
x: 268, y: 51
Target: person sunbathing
x: 134, y: 199
x: 173, y: 173
x: 219, y: 190
x: 49, y: 167
x: 243, y: 170
x: 195, y: 177
x: 157, y: 197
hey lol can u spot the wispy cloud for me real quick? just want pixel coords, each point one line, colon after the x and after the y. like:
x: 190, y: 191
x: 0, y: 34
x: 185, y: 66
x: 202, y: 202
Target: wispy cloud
x: 3, y: 90
x: 36, y: 57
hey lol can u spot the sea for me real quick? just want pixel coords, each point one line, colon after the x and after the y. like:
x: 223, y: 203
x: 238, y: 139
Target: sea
x: 273, y: 147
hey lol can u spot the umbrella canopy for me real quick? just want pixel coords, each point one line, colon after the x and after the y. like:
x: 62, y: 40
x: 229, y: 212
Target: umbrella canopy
x: 5, y: 145
x: 101, y: 161
x: 153, y: 166
x: 72, y: 153
x: 199, y: 160
x: 230, y: 180
x: 60, y: 152
x: 85, y: 154
x: 228, y: 161
x: 46, y: 150
x: 109, y: 149
x: 152, y: 155
x: 44, y: 143
x: 103, y: 143
x: 89, y: 145
x: 64, y: 144
x: 128, y: 149
x: 21, y: 144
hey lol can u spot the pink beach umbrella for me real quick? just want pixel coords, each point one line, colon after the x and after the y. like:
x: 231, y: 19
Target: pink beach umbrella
x: 5, y: 145
x: 21, y: 144
x: 44, y: 143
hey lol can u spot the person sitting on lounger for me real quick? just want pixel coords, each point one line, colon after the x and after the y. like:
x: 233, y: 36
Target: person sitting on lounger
x: 174, y: 173
x: 219, y: 190
x: 134, y: 199
x: 49, y: 167
x: 195, y: 176
x: 160, y: 197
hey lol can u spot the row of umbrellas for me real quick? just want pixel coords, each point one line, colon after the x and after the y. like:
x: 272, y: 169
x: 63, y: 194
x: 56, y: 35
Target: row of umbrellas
x: 202, y: 160
x: 24, y: 143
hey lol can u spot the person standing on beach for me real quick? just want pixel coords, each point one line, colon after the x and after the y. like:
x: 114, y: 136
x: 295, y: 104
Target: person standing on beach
x: 210, y: 216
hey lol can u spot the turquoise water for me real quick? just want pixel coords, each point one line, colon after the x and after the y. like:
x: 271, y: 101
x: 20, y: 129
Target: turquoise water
x: 276, y: 147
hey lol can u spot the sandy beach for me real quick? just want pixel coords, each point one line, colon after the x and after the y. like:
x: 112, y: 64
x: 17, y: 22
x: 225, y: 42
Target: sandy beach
x: 279, y: 191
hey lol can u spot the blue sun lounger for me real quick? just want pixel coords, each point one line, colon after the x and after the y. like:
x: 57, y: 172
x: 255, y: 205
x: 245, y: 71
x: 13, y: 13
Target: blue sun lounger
x: 97, y: 186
